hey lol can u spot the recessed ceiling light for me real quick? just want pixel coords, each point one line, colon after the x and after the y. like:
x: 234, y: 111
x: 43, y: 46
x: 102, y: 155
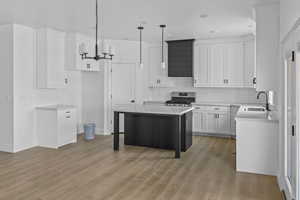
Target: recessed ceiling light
x: 204, y: 16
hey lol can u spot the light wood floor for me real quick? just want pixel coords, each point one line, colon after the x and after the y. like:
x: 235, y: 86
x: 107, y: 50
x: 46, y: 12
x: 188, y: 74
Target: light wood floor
x: 91, y: 170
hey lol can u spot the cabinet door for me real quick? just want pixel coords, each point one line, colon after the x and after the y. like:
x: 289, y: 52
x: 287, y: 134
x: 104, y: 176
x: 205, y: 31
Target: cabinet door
x: 67, y: 127
x: 201, y: 65
x: 197, y: 121
x: 55, y: 58
x: 249, y: 68
x: 234, y: 65
x: 216, y: 65
x: 211, y: 122
x: 222, y: 123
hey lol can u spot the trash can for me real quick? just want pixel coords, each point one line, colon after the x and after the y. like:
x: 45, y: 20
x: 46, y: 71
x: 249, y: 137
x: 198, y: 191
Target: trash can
x: 89, y: 131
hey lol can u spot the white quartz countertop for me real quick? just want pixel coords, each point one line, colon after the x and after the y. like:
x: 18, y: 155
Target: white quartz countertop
x: 152, y: 109
x: 199, y: 103
x: 56, y: 107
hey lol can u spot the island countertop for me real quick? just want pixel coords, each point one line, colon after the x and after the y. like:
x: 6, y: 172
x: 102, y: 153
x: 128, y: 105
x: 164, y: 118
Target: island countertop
x: 152, y: 109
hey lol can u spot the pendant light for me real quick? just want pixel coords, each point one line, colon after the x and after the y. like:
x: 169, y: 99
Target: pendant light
x: 107, y: 51
x: 141, y: 28
x: 163, y: 64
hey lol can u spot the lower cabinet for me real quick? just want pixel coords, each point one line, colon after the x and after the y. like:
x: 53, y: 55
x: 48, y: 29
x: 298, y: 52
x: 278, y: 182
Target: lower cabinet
x: 211, y: 119
x: 56, y: 126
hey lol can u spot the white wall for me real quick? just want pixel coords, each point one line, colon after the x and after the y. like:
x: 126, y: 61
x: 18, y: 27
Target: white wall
x: 19, y: 94
x: 93, y: 99
x: 289, y: 14
x: 6, y: 88
x: 267, y: 46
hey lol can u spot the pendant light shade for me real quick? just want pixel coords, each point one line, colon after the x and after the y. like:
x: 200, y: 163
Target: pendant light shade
x: 141, y: 28
x: 163, y: 64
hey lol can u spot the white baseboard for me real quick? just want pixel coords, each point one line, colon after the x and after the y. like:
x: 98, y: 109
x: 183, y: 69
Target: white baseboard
x: 6, y: 148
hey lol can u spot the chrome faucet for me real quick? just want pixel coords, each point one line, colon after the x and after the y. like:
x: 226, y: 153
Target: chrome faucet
x: 267, y: 98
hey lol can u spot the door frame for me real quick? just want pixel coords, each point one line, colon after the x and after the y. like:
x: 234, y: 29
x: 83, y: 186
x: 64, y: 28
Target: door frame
x: 108, y: 94
x: 287, y: 58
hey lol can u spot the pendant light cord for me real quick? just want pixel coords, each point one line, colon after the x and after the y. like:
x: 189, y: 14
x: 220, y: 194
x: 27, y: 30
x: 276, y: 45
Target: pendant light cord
x: 141, y: 46
x: 96, y: 47
x: 162, y: 45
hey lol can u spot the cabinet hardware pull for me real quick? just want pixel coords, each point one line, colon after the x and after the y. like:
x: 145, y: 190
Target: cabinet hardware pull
x: 293, y: 130
x: 68, y: 117
x: 68, y: 112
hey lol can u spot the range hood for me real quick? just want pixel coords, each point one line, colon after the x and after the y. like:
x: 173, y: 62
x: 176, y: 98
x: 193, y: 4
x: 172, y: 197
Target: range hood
x: 180, y: 58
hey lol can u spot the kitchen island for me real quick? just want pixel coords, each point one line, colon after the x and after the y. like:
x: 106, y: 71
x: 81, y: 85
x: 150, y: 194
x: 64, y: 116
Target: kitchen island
x: 164, y: 127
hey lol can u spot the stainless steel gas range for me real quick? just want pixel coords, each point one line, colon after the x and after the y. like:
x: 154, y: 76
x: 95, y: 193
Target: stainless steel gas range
x: 184, y: 99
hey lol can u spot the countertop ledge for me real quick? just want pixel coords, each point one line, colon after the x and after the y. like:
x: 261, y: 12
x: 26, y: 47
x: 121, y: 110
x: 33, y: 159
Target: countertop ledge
x: 208, y: 103
x: 56, y: 107
x: 152, y: 109
x: 268, y: 117
x: 223, y: 104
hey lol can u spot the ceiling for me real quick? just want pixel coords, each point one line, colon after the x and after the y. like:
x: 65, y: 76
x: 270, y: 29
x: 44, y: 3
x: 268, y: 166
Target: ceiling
x: 119, y: 18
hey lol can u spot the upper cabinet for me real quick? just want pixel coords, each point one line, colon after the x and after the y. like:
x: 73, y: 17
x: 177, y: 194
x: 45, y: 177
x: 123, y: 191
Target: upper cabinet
x: 234, y: 64
x: 73, y: 58
x: 250, y: 62
x: 50, y: 59
x: 201, y: 65
x: 224, y: 64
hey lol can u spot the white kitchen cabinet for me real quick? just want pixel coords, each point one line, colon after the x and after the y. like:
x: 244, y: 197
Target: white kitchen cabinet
x: 201, y: 65
x: 50, y: 59
x: 234, y: 64
x: 216, y: 69
x: 211, y: 119
x: 224, y: 64
x: 73, y: 58
x: 56, y: 125
x: 222, y: 123
x: 197, y: 121
x: 250, y: 64
x: 211, y: 122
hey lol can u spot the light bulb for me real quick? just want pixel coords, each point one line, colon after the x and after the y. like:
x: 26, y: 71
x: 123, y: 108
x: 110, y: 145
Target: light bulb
x: 82, y: 49
x: 105, y: 47
x: 141, y: 65
x: 111, y: 50
x: 163, y: 65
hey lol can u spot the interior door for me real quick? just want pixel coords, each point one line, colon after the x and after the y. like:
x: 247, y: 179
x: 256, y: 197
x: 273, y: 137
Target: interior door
x: 291, y: 118
x: 122, y: 86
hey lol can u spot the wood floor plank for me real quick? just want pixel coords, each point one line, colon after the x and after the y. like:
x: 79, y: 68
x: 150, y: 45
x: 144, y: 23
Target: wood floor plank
x: 93, y: 171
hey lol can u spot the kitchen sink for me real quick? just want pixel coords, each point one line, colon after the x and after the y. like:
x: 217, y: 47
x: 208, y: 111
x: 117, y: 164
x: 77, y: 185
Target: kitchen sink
x: 253, y: 110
